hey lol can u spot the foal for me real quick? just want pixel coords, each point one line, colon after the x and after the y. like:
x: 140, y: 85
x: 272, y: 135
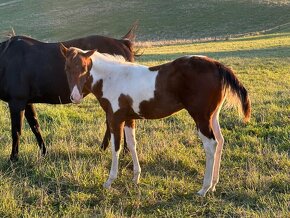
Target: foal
x: 128, y: 91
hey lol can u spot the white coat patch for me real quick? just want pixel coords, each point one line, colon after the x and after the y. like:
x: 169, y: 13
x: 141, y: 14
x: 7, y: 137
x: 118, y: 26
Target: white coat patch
x: 136, y: 81
x: 200, y: 56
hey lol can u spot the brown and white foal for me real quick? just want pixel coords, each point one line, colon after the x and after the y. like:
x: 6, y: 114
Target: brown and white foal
x: 128, y: 91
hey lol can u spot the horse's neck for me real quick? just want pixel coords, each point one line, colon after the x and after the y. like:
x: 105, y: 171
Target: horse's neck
x: 106, y: 67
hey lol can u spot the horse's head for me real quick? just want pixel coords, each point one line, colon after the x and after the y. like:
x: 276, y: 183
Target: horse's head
x: 77, y: 66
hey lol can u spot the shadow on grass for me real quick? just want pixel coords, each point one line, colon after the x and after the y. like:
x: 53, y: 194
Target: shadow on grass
x: 31, y: 169
x: 166, y: 166
x: 209, y: 206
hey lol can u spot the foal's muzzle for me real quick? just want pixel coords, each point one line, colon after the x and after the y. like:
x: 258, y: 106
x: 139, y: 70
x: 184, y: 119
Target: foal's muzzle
x: 75, y: 96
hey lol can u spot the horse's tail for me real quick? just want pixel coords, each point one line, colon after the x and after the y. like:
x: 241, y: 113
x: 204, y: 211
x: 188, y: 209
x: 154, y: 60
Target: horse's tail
x: 235, y: 91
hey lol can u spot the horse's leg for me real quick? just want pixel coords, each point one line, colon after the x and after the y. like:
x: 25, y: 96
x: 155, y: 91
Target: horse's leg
x: 31, y: 118
x: 209, y: 143
x: 16, y: 111
x: 117, y: 130
x: 220, y: 142
x: 126, y: 149
x: 107, y: 137
x: 205, y: 132
x: 131, y: 140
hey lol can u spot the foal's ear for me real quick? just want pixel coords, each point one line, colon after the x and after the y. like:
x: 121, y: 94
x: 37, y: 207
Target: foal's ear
x: 63, y: 49
x: 89, y: 53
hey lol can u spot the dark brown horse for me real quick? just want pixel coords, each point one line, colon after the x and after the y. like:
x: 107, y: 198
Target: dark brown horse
x: 129, y: 91
x: 33, y: 72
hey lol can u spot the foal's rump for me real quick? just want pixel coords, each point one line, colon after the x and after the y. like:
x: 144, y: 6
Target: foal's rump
x: 204, y: 81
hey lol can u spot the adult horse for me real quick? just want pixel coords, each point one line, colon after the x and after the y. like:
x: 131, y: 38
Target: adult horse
x: 129, y: 91
x: 32, y: 71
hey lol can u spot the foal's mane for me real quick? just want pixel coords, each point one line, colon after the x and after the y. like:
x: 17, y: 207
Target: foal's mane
x: 115, y: 58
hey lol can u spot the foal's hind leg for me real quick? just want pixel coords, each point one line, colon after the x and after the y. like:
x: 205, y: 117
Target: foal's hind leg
x: 209, y: 143
x: 107, y: 138
x: 31, y: 117
x: 220, y: 142
x: 131, y: 140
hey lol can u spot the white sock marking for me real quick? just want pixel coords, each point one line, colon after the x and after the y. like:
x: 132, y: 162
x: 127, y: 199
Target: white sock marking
x: 131, y: 141
x: 210, y: 149
x: 114, y: 166
x: 220, y: 141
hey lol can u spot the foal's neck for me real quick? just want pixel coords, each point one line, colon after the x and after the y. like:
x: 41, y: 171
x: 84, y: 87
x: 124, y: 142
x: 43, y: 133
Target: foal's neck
x: 105, y: 65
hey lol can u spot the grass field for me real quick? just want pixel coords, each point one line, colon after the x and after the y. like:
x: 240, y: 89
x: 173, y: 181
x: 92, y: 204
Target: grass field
x: 159, y: 19
x: 255, y: 166
x: 255, y: 163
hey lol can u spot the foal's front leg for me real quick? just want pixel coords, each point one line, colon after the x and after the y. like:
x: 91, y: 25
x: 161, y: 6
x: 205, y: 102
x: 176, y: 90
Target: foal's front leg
x: 131, y: 140
x: 117, y: 130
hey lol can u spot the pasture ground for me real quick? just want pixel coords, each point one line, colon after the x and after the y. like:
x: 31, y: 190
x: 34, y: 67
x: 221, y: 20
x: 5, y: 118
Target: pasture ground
x: 255, y: 163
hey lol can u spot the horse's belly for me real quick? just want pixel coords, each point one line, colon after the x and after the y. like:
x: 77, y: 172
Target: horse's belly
x: 157, y: 110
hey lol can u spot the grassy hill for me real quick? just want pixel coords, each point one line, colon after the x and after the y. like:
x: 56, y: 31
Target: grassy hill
x: 172, y: 19
x: 255, y: 163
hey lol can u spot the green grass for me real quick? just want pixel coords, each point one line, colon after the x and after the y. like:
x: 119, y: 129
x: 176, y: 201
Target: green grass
x: 255, y: 163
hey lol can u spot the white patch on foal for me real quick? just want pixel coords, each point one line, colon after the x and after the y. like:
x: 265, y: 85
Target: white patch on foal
x: 210, y: 150
x: 75, y: 95
x: 136, y: 81
x: 200, y: 56
x: 131, y: 141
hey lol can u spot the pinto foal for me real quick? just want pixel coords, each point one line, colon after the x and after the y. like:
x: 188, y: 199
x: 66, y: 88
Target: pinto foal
x: 128, y: 91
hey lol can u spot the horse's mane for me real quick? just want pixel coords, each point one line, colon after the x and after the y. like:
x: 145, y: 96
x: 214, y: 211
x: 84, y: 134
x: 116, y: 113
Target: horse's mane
x: 117, y: 58
x: 11, y: 37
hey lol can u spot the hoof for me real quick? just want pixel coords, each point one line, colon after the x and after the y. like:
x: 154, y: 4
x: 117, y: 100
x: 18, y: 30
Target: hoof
x: 42, y: 149
x: 201, y: 192
x: 107, y: 185
x: 105, y: 144
x: 126, y: 150
x: 136, y: 178
x: 213, y: 189
x: 44, y: 152
x: 13, y: 159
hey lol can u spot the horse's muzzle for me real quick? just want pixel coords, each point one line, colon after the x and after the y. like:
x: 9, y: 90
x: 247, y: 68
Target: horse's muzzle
x: 76, y: 96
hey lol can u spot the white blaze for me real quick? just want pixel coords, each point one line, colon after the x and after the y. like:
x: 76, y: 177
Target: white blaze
x: 76, y: 97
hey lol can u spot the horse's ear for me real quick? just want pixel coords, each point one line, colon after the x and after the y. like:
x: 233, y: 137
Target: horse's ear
x: 63, y: 49
x: 89, y: 53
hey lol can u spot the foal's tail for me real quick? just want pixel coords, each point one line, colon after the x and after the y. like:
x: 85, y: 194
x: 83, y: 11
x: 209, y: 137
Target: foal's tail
x: 236, y: 92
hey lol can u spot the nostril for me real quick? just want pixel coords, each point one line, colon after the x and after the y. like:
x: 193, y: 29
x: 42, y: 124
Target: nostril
x: 71, y: 98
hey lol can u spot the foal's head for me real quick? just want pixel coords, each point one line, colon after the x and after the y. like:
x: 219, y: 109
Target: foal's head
x: 77, y: 66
